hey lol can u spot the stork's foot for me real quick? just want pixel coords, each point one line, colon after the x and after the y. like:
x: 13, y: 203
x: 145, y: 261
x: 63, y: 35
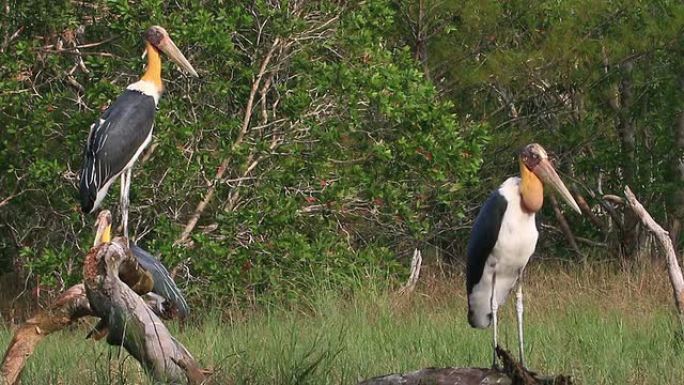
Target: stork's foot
x: 99, y: 331
x: 516, y: 369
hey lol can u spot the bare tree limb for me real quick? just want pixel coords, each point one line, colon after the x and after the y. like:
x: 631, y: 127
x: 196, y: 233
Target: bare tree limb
x: 9, y: 198
x: 565, y: 227
x: 416, y: 263
x: 66, y: 309
x: 512, y: 373
x: 673, y: 268
x: 586, y: 210
x: 130, y: 321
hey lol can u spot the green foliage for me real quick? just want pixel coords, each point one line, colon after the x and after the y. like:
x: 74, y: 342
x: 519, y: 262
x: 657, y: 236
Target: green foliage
x: 560, y: 73
x: 359, y: 158
x: 374, y: 127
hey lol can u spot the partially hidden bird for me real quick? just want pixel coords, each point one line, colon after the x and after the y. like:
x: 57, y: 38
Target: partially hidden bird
x: 145, y: 276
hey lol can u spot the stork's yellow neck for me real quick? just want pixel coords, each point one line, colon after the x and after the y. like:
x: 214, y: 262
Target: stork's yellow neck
x: 153, y: 70
x: 103, y: 237
x: 107, y: 234
x: 531, y: 190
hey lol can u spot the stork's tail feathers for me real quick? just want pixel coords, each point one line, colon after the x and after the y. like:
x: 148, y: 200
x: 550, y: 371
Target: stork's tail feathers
x: 163, y: 283
x: 479, y: 312
x: 479, y: 321
x: 88, y: 194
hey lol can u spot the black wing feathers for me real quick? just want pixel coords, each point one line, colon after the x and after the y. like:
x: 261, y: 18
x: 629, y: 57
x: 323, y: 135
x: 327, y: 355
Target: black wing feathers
x: 483, y: 237
x: 163, y: 283
x: 113, y: 141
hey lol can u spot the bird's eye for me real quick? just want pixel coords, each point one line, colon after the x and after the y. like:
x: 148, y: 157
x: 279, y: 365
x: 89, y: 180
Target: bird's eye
x: 535, y: 156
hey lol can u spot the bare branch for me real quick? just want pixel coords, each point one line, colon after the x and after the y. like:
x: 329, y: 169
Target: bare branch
x: 194, y: 218
x: 66, y: 309
x: 416, y: 263
x: 673, y: 268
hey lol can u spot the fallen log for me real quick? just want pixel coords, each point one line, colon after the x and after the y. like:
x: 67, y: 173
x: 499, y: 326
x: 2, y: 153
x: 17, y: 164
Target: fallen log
x: 131, y: 323
x: 512, y: 374
x: 67, y: 309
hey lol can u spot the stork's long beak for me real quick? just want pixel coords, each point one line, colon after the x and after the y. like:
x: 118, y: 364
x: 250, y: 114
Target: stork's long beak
x: 104, y: 228
x: 170, y: 49
x: 545, y: 171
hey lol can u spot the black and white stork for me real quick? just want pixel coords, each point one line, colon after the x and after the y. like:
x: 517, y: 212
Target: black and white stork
x: 123, y: 131
x: 148, y: 277
x: 504, y: 237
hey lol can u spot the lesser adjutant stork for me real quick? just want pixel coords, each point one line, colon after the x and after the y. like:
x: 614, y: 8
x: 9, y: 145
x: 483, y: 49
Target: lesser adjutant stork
x: 504, y: 237
x: 125, y: 128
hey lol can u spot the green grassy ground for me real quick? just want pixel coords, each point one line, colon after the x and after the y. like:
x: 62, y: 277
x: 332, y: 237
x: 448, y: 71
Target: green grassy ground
x: 601, y: 326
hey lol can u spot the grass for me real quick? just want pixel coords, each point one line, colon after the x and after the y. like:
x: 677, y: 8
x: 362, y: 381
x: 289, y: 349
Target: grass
x: 598, y: 324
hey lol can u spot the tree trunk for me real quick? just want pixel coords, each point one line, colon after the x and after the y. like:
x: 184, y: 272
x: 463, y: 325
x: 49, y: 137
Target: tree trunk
x: 621, y: 102
x: 676, y: 198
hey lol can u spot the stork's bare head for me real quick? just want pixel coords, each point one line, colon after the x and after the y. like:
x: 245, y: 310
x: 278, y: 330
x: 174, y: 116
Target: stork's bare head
x: 534, y: 157
x: 103, y: 233
x: 160, y: 39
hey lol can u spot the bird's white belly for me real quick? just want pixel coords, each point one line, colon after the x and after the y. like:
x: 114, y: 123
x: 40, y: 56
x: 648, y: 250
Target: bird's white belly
x: 515, y: 244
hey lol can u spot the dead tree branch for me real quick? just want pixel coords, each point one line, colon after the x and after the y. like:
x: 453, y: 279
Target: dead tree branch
x: 673, y: 268
x: 264, y: 91
x: 194, y: 218
x: 416, y: 263
x: 67, y: 308
x: 131, y: 323
x: 565, y: 227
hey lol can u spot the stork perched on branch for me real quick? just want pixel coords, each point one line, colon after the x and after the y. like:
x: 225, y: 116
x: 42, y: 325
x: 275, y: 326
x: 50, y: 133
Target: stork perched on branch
x: 504, y: 237
x: 123, y: 131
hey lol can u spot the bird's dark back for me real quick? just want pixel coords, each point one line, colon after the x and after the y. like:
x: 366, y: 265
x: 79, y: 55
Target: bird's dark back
x: 113, y: 141
x: 483, y: 237
x: 163, y: 283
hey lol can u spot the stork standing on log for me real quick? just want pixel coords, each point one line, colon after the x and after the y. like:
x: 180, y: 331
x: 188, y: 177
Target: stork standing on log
x: 123, y: 131
x: 504, y: 237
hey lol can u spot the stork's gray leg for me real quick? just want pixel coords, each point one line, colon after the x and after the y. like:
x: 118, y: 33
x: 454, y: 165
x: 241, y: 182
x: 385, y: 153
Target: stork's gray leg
x: 125, y: 188
x: 495, y: 324
x: 519, y: 313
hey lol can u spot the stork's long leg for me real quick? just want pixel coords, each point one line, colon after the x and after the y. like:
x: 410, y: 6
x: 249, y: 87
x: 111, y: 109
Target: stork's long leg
x: 495, y: 324
x: 519, y: 313
x: 125, y: 188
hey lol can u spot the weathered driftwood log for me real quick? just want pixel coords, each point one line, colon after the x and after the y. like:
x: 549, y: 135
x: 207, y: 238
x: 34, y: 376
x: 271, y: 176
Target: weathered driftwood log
x: 512, y: 374
x: 67, y: 308
x: 132, y: 324
x: 673, y: 268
